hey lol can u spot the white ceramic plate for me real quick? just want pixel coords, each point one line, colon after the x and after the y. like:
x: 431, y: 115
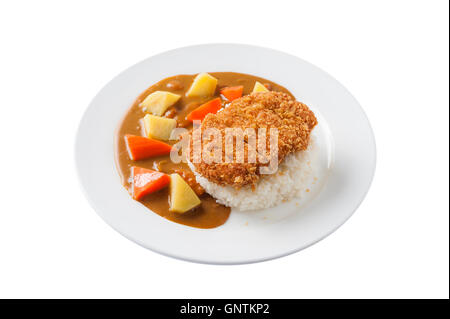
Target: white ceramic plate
x: 346, y: 160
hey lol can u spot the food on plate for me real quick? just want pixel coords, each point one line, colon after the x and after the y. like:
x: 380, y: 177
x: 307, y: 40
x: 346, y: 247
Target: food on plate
x: 198, y: 191
x: 204, y: 84
x: 259, y: 88
x: 140, y: 147
x: 199, y: 113
x: 146, y: 181
x: 158, y: 127
x: 158, y: 102
x: 182, y: 196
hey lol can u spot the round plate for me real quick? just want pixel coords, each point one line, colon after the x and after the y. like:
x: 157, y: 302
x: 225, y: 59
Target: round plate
x: 346, y: 154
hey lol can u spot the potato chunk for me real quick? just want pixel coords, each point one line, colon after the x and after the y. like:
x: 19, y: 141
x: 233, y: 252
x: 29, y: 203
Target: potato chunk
x: 203, y: 85
x: 182, y: 196
x: 158, y: 127
x: 158, y: 102
x: 259, y: 88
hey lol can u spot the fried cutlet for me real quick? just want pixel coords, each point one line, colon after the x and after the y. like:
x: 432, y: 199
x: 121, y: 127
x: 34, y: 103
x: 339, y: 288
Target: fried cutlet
x: 293, y: 120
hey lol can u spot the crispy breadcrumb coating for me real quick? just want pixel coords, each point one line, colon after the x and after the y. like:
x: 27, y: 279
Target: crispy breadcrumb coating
x: 294, y: 121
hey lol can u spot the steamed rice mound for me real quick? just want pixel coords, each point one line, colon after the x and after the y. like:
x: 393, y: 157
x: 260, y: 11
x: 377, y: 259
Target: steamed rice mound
x: 291, y: 179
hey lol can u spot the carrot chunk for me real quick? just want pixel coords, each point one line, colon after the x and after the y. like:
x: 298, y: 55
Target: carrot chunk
x: 140, y: 147
x: 209, y: 107
x: 146, y: 181
x: 232, y: 92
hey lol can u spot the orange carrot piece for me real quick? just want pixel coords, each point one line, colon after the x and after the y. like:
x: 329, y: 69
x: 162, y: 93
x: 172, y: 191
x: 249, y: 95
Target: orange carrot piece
x: 140, y: 147
x: 209, y: 107
x: 146, y: 181
x: 232, y: 92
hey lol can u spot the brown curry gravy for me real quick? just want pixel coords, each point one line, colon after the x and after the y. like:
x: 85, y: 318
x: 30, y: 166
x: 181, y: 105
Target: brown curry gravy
x: 209, y: 214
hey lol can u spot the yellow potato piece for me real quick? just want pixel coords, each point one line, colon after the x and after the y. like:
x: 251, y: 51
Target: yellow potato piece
x: 182, y: 197
x: 159, y: 101
x: 203, y: 85
x: 259, y: 88
x: 158, y: 127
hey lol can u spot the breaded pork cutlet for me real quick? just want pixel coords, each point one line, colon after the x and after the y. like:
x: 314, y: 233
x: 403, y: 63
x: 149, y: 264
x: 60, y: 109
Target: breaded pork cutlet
x: 294, y: 121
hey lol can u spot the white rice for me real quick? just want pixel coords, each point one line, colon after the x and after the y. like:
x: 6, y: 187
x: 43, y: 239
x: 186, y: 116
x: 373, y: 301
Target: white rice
x: 292, y: 178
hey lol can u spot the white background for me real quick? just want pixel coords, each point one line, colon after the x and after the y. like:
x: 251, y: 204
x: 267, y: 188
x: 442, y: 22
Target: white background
x: 55, y: 56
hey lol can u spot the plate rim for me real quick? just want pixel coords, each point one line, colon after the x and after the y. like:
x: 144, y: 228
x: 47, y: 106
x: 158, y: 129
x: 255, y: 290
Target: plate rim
x: 212, y: 262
